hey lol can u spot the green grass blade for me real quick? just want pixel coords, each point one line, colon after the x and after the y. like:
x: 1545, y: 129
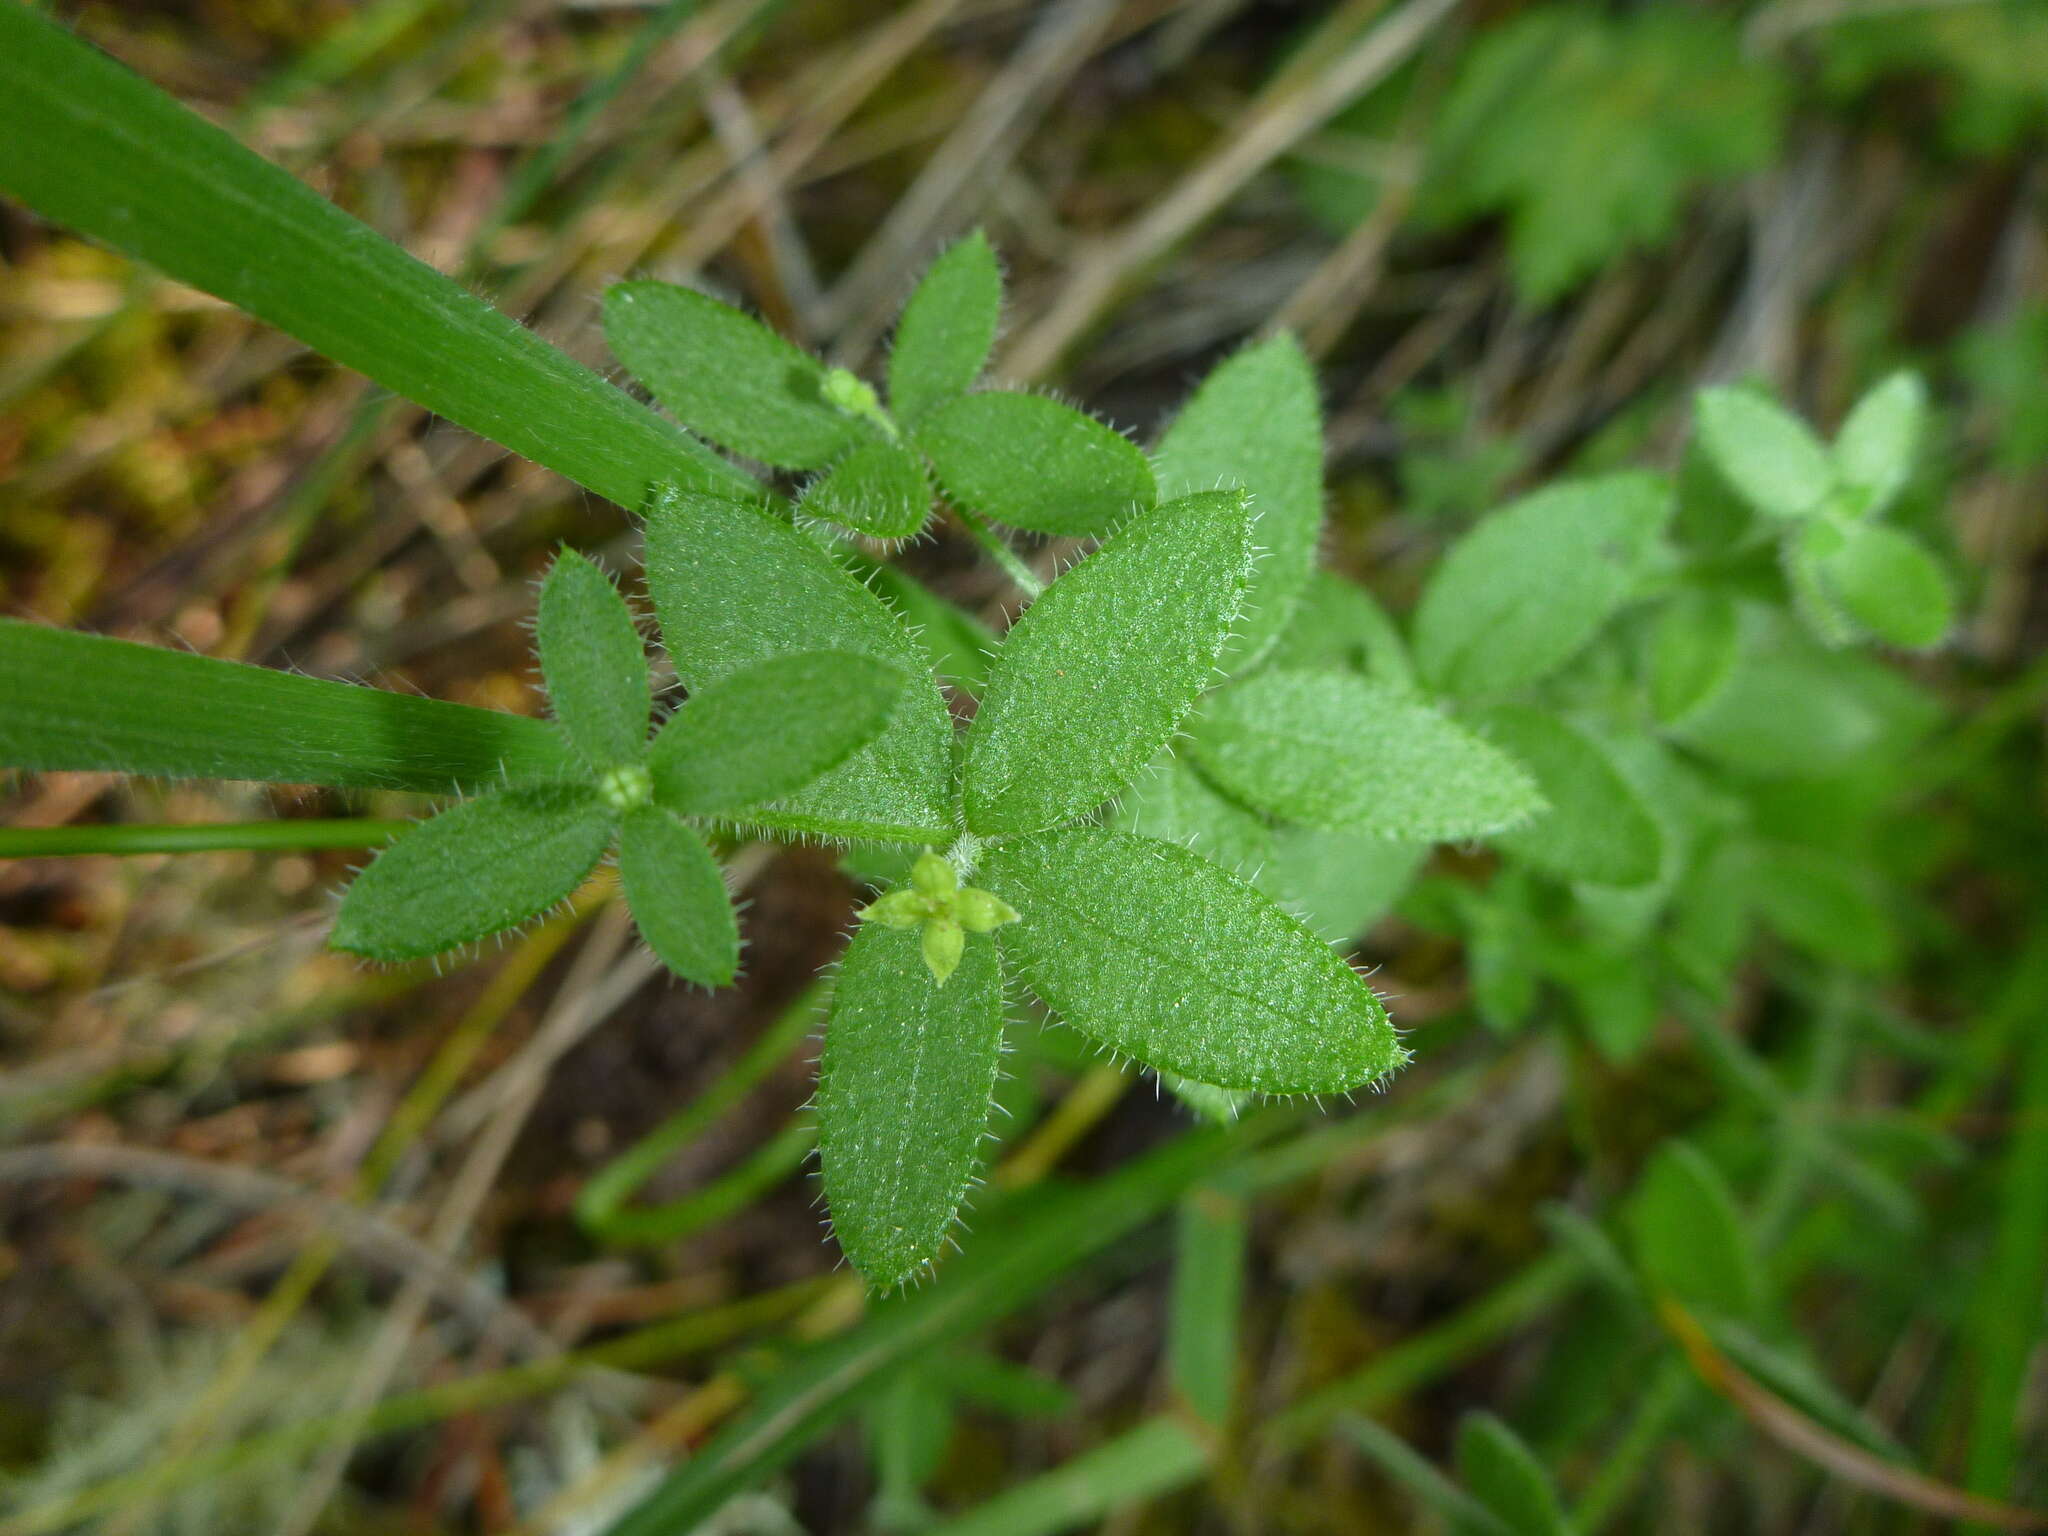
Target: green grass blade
x: 88, y: 144
x: 241, y: 722
x: 293, y: 834
x: 1158, y: 1455
x: 1210, y: 1242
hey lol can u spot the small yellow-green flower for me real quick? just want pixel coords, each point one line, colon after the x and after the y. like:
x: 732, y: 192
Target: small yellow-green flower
x: 946, y: 910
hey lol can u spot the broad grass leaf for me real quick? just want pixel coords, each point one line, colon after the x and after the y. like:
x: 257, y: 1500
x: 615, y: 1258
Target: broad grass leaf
x: 1255, y: 422
x: 678, y: 897
x: 726, y: 376
x: 903, y: 1097
x: 1211, y: 1240
x: 766, y: 731
x: 1881, y: 438
x: 1693, y: 649
x: 1340, y: 883
x: 735, y: 585
x: 1688, y: 1235
x: 1097, y: 674
x: 1889, y: 584
x: 1174, y: 803
x: 1035, y: 463
x: 1502, y: 1473
x: 878, y: 489
x: 1339, y: 625
x: 1330, y: 749
x: 1823, y: 903
x: 1767, y: 454
x: 474, y: 870
x: 1153, y: 951
x: 1523, y: 592
x: 943, y: 340
x: 1597, y: 828
x: 594, y: 663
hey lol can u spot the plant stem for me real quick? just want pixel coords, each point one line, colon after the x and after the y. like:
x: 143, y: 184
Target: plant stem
x: 1012, y: 563
x: 201, y: 837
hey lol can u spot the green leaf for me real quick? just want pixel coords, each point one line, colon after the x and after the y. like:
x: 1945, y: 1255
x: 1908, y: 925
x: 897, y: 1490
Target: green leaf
x: 1693, y: 649
x: 878, y: 489
x: 1597, y: 829
x: 242, y: 722
x: 1877, y: 445
x: 1889, y: 583
x: 1767, y: 454
x: 92, y: 146
x: 1338, y: 625
x: 678, y: 896
x: 1689, y: 1237
x: 1035, y: 463
x: 767, y: 730
x: 725, y: 375
x: 1153, y: 951
x: 903, y: 1096
x: 1097, y: 674
x: 943, y: 340
x: 1341, y: 883
x: 594, y: 664
x: 735, y: 585
x: 957, y: 644
x: 1523, y: 593
x: 1546, y: 122
x: 1255, y: 423
x: 1211, y: 1237
x: 1329, y: 749
x: 477, y: 869
x: 1174, y: 803
x: 1823, y: 903
x: 1503, y: 1474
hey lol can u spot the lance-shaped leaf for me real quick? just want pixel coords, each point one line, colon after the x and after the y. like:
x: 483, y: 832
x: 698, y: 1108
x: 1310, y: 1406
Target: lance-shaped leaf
x: 1693, y: 650
x: 735, y: 585
x: 678, y: 897
x: 943, y: 340
x: 1885, y: 581
x: 768, y: 730
x: 1877, y: 445
x: 594, y: 664
x: 1521, y: 594
x: 1339, y: 882
x: 1155, y: 952
x: 477, y: 869
x: 878, y: 489
x: 725, y: 375
x: 1330, y: 749
x: 1174, y: 803
x: 1338, y: 625
x: 1035, y: 463
x: 1767, y: 454
x: 1097, y: 674
x: 903, y: 1093
x: 1504, y: 1475
x: 1255, y: 423
x: 1597, y: 828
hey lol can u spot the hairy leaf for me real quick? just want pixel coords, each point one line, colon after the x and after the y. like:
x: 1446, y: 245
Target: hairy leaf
x: 1767, y: 454
x: 1329, y: 749
x: 1693, y: 649
x: 1339, y: 625
x: 678, y: 897
x: 1174, y: 803
x: 594, y: 663
x: 242, y: 722
x: 1255, y: 423
x: 1521, y: 594
x: 1035, y: 463
x: 1155, y: 952
x: 903, y: 1095
x: 474, y: 870
x: 943, y: 340
x: 957, y: 643
x: 735, y: 585
x: 726, y: 375
x: 1877, y: 445
x: 1340, y: 882
x: 1887, y: 582
x: 1096, y: 675
x: 878, y: 489
x: 1597, y: 828
x: 767, y: 730
x: 90, y: 145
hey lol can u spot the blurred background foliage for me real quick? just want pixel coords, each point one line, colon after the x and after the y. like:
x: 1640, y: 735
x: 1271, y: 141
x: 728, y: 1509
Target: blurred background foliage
x: 1651, y: 1238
